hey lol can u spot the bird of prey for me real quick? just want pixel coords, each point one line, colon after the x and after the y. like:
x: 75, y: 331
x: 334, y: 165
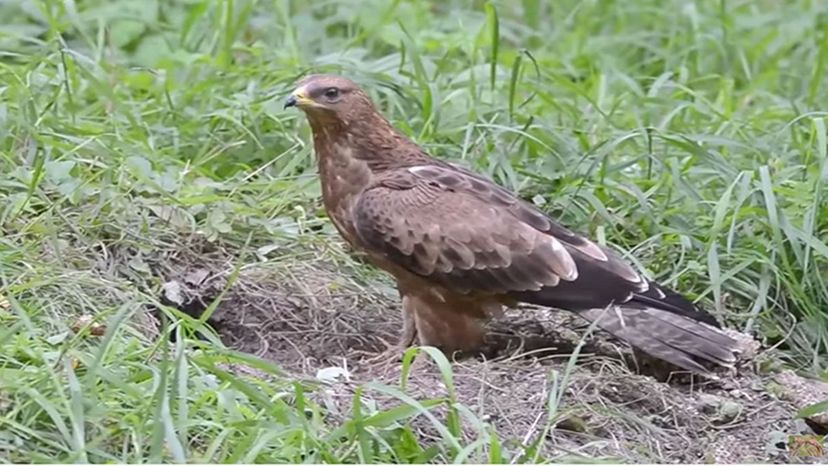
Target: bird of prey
x: 462, y: 247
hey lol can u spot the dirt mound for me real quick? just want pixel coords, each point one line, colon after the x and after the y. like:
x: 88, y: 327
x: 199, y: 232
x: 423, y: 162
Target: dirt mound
x: 310, y: 320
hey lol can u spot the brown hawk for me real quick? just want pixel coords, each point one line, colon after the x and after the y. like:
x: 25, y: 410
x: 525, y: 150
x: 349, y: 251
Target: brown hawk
x: 461, y: 247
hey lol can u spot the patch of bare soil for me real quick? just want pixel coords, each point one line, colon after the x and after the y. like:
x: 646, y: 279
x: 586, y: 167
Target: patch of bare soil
x: 306, y: 317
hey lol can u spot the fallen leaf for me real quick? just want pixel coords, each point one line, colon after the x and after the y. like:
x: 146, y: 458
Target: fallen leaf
x: 87, y: 321
x: 333, y: 374
x: 172, y: 291
x: 196, y: 276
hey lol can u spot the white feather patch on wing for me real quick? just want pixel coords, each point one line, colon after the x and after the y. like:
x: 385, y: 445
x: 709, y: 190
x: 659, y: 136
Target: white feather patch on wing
x: 418, y: 168
x: 592, y: 250
x: 571, y: 269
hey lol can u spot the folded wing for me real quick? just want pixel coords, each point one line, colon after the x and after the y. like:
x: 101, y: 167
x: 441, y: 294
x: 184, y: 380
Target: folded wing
x: 471, y: 236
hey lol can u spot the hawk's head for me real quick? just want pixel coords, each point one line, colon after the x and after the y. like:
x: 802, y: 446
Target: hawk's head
x: 324, y: 96
x: 341, y: 114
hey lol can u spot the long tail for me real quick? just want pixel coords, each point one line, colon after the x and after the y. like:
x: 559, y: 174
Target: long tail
x: 666, y: 335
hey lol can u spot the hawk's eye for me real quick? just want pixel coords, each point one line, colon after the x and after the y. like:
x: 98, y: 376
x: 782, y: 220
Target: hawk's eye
x: 332, y: 93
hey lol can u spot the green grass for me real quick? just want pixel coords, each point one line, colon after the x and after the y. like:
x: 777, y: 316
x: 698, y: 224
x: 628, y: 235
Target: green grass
x: 692, y: 135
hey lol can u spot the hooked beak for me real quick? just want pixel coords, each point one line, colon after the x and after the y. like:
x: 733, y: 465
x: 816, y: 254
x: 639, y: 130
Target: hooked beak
x: 298, y: 98
x: 290, y: 102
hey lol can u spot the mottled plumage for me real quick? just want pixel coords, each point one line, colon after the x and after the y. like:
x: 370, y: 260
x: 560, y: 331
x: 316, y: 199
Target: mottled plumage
x: 462, y: 247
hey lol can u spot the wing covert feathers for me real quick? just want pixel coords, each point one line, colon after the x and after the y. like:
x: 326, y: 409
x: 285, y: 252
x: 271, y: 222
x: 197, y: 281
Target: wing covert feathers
x: 458, y: 240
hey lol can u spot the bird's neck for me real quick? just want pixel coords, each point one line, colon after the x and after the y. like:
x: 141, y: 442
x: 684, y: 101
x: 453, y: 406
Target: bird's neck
x: 371, y: 140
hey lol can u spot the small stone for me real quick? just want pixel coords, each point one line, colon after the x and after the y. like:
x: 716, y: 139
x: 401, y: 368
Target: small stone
x: 729, y: 411
x: 709, y: 404
x: 573, y: 423
x: 775, y: 389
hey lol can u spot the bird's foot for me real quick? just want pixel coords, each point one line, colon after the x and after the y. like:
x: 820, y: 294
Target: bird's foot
x: 385, y: 360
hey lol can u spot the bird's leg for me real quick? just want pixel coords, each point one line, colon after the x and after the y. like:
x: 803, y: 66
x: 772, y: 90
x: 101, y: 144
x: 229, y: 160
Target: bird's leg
x: 409, y: 330
x: 393, y: 352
